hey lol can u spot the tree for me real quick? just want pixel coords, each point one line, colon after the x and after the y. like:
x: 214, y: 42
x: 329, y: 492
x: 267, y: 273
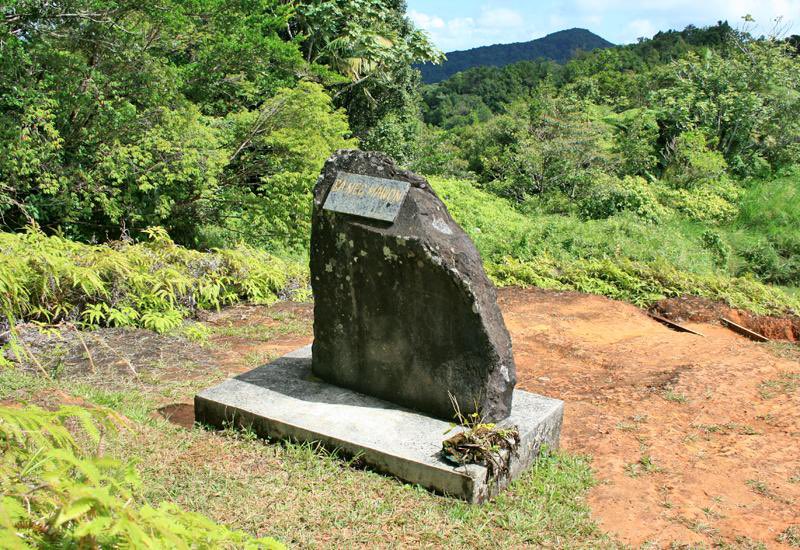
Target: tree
x: 91, y: 116
x: 118, y: 115
x: 373, y: 45
x: 746, y: 100
x: 279, y: 153
x: 550, y: 143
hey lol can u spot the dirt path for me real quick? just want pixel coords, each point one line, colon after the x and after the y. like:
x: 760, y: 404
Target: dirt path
x: 694, y: 439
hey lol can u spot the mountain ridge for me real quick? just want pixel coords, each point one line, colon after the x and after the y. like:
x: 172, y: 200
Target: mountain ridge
x: 560, y: 46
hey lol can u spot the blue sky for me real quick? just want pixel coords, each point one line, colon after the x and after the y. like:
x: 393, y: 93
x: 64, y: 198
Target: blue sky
x: 461, y: 24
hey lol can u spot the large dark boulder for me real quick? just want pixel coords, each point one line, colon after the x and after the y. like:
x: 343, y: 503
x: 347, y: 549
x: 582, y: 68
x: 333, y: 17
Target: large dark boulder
x: 404, y: 311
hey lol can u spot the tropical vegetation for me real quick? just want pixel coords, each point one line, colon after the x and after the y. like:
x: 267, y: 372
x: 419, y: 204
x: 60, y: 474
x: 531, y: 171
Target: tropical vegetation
x: 157, y: 160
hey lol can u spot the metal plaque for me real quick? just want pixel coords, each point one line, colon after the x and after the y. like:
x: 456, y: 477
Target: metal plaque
x: 366, y: 196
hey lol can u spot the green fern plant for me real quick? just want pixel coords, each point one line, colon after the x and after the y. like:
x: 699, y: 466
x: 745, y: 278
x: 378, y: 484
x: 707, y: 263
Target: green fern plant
x: 54, y: 494
x: 153, y: 284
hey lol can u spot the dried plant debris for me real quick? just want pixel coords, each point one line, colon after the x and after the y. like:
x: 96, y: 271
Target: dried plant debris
x: 482, y: 443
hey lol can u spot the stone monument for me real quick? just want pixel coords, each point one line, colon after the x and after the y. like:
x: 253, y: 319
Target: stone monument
x: 407, y: 331
x: 403, y: 309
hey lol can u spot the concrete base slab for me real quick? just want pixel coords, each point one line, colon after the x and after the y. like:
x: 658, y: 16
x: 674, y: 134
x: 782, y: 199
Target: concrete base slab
x: 283, y: 400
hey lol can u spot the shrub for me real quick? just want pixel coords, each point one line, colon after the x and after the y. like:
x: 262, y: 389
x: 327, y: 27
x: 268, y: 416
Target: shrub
x: 642, y: 284
x: 618, y: 257
x: 712, y: 201
x: 279, y: 152
x: 764, y: 260
x: 435, y: 153
x: 714, y: 242
x: 744, y: 97
x: 699, y: 184
x: 612, y: 195
x: 691, y: 162
x: 539, y: 146
x: 635, y: 140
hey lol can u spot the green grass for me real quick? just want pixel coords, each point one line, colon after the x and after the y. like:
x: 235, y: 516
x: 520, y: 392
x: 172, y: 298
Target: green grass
x: 786, y: 384
x: 501, y: 231
x: 645, y: 465
x: 310, y: 497
x: 770, y: 206
x: 675, y: 397
x: 622, y: 257
x: 130, y: 402
x: 766, y: 236
x: 259, y: 332
x: 790, y: 536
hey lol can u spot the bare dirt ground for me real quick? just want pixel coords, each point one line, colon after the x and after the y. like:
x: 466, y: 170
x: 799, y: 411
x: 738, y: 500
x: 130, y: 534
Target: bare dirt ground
x: 695, y: 439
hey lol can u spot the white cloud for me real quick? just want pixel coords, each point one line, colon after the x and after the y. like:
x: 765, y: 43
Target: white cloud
x: 492, y: 25
x: 425, y: 21
x: 641, y: 28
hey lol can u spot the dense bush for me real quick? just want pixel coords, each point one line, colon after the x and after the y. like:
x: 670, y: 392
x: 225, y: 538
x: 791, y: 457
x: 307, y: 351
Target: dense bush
x: 619, y: 257
x: 548, y: 144
x: 743, y: 97
x: 154, y: 284
x: 210, y: 118
x: 698, y: 182
x: 636, y: 141
x: 56, y: 494
x: 612, y: 195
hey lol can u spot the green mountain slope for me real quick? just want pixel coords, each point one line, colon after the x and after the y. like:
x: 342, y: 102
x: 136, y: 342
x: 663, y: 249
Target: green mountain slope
x: 559, y: 46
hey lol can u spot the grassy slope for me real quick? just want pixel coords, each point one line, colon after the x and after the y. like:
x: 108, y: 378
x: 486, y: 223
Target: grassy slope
x: 621, y: 257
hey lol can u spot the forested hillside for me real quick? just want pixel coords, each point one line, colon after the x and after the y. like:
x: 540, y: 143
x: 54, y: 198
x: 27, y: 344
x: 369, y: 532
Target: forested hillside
x: 693, y: 133
x: 559, y: 46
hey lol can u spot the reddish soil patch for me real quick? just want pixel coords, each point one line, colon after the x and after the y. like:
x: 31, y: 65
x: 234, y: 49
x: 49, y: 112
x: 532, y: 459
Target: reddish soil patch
x: 695, y: 439
x: 702, y: 310
x: 181, y: 414
x: 48, y: 399
x: 249, y: 336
